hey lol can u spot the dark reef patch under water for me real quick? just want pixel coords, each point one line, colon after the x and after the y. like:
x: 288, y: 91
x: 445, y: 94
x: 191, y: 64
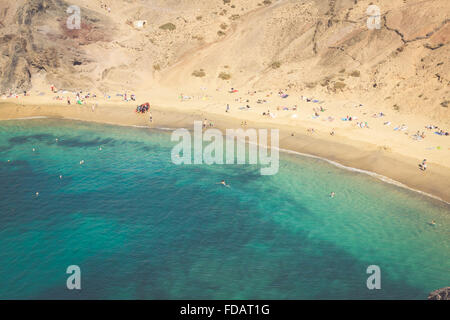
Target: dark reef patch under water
x: 141, y: 227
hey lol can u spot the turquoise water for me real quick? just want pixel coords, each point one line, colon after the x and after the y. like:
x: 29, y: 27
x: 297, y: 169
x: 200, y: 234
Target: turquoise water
x: 140, y: 227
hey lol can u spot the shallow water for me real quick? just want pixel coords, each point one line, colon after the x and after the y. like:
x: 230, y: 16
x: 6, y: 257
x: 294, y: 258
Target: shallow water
x: 141, y: 227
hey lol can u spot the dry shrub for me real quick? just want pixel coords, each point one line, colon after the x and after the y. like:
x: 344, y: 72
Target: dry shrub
x: 199, y: 73
x: 224, y: 76
x: 168, y: 26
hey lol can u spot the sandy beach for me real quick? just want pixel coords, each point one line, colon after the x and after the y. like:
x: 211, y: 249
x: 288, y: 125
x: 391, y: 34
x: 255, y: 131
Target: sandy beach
x: 378, y: 149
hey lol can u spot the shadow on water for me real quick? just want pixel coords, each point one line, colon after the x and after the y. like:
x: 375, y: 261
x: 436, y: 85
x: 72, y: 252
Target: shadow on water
x: 164, y: 268
x: 209, y: 249
x: 50, y: 139
x: 78, y: 142
x: 73, y: 142
x: 43, y: 137
x: 185, y: 237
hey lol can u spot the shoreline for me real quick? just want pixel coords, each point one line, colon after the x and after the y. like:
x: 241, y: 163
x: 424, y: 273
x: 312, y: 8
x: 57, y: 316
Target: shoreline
x: 389, y: 167
x: 287, y: 151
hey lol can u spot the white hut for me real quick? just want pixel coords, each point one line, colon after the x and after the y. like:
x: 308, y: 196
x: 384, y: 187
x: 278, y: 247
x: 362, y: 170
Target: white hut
x: 139, y: 24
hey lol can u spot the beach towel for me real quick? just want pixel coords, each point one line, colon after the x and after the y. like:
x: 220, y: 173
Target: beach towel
x: 284, y: 96
x: 315, y: 101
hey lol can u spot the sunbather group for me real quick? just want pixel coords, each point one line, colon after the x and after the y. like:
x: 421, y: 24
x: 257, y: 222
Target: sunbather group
x: 438, y: 131
x: 143, y: 108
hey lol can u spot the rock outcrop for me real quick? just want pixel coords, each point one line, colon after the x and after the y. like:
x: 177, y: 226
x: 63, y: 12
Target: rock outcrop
x: 440, y: 294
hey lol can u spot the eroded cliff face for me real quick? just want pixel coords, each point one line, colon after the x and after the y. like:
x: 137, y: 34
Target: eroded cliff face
x: 35, y: 38
x: 440, y: 294
x: 325, y: 47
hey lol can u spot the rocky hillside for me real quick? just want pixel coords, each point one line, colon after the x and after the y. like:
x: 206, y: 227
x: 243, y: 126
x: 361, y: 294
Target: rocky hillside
x: 324, y: 47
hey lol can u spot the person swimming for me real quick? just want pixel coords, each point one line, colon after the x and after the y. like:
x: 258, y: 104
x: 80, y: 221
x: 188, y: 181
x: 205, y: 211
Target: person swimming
x: 433, y: 223
x: 332, y: 195
x: 224, y: 183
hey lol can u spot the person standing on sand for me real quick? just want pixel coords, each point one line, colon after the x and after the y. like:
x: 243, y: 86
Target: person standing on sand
x: 423, y: 165
x: 151, y: 117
